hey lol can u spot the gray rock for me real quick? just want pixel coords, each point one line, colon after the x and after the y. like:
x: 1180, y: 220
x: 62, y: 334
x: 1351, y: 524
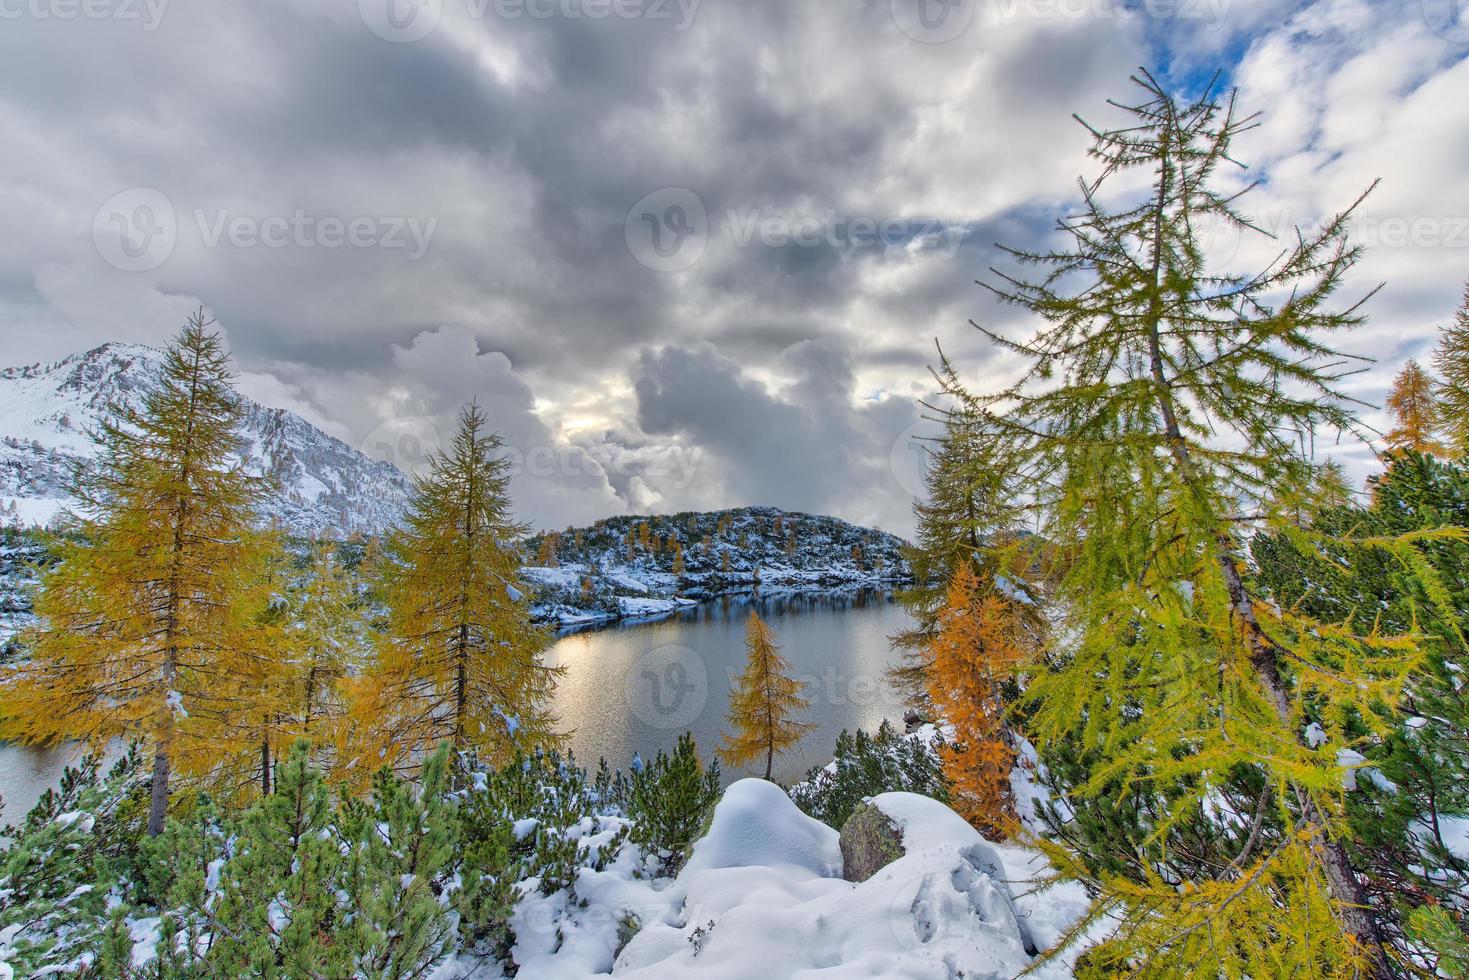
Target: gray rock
x: 870, y: 841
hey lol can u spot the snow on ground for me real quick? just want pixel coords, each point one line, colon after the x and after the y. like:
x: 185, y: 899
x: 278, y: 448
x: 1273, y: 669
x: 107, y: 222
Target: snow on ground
x: 762, y: 896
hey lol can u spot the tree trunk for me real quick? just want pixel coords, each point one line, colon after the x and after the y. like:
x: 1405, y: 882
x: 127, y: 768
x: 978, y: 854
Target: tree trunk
x: 264, y: 765
x: 461, y: 687
x: 163, y: 737
x: 158, y: 804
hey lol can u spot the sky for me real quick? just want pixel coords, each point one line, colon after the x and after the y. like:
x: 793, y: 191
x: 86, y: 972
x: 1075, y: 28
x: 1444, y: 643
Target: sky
x: 687, y: 254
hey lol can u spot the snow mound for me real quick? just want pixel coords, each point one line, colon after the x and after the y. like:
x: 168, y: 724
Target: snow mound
x: 762, y: 897
x: 756, y: 825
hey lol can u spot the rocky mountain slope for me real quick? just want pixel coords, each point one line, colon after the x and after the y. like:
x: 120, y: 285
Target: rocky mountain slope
x: 48, y: 410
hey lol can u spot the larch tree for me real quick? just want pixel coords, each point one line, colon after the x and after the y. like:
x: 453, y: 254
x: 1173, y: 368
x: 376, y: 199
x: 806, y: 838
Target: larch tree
x: 1451, y: 358
x: 1413, y: 405
x: 1161, y: 400
x: 980, y: 646
x: 142, y: 620
x: 459, y: 660
x: 967, y: 514
x: 763, y: 706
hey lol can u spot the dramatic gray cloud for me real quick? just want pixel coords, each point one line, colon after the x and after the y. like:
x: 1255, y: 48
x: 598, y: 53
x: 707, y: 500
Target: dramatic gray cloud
x: 686, y: 254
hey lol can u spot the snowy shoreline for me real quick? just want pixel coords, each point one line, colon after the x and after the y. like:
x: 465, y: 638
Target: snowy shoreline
x: 632, y: 610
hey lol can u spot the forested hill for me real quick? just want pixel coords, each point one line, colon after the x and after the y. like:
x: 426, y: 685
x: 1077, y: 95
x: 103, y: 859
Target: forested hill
x: 646, y: 565
x: 625, y: 567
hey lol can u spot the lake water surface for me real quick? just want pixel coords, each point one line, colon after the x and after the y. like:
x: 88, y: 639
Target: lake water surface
x: 636, y: 688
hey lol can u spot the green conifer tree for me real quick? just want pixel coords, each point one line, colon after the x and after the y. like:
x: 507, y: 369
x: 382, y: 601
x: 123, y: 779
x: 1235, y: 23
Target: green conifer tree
x: 404, y: 842
x: 1452, y: 360
x: 969, y: 514
x: 1170, y: 674
x: 276, y: 912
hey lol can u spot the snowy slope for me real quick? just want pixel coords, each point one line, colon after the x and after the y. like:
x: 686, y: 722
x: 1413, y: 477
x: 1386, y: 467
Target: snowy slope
x: 47, y: 411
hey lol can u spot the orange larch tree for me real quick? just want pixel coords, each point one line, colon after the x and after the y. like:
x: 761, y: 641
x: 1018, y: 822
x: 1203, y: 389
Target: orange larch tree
x: 980, y: 643
x: 1415, y: 413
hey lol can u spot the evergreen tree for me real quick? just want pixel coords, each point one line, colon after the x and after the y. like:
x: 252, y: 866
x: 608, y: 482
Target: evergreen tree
x: 403, y: 847
x: 1170, y: 677
x: 60, y: 869
x: 143, y: 618
x: 979, y: 648
x: 460, y: 661
x: 763, y: 703
x: 865, y: 765
x: 669, y: 801
x: 327, y: 634
x: 966, y: 517
x: 1415, y: 778
x: 1414, y: 412
x: 276, y: 912
x: 1452, y: 360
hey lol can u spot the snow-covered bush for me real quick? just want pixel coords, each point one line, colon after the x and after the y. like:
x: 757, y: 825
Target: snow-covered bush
x: 63, y: 866
x: 864, y: 766
x: 669, y: 801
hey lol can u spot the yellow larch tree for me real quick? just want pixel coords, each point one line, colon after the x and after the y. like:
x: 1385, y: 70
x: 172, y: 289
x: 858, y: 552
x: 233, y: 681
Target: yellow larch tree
x: 1414, y: 409
x: 765, y: 700
x: 460, y: 660
x: 141, y: 621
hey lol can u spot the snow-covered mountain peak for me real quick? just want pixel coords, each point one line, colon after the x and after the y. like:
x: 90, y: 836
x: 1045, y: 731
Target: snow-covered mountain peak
x: 47, y: 412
